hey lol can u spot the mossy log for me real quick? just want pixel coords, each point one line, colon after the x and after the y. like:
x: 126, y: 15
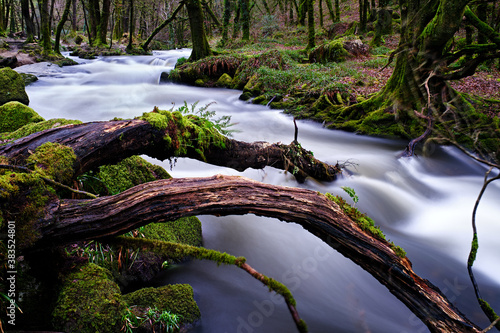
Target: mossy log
x: 99, y: 143
x: 66, y: 221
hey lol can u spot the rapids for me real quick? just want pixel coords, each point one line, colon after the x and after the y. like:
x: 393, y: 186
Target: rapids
x: 423, y: 204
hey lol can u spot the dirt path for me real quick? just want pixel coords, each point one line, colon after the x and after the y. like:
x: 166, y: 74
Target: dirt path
x: 14, y: 50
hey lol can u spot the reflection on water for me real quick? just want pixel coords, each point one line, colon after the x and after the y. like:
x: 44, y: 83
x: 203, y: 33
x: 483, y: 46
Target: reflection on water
x: 423, y: 204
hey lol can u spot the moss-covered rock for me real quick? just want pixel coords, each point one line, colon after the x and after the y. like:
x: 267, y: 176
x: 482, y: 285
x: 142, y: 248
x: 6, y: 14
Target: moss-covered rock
x: 128, y: 173
x: 225, y: 80
x: 29, y: 78
x: 89, y: 301
x: 332, y: 51
x: 253, y: 86
x: 177, y: 298
x: 186, y: 230
x: 15, y: 115
x: 12, y: 87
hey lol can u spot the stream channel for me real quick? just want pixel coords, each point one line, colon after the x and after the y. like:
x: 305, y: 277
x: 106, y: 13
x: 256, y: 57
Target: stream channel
x: 423, y: 204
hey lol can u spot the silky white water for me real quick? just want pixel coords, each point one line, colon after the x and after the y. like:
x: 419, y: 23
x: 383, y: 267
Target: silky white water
x: 423, y: 204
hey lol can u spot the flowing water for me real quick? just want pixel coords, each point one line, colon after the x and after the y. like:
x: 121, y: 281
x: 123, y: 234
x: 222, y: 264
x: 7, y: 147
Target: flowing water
x: 423, y: 204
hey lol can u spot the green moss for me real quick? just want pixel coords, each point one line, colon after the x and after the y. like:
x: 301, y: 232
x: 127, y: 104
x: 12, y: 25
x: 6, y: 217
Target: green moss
x: 128, y: 173
x: 30, y: 193
x: 473, y: 251
x: 28, y: 78
x: 53, y: 160
x: 12, y: 87
x: 332, y: 51
x: 89, y: 301
x: 488, y: 310
x: 27, y: 194
x: 177, y: 298
x: 186, y: 230
x: 225, y: 80
x: 15, y: 115
x: 363, y: 221
x: 36, y: 127
x: 187, y: 134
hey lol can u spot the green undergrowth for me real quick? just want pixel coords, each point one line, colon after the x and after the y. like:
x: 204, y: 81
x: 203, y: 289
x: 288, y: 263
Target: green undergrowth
x: 364, y: 222
x: 128, y: 173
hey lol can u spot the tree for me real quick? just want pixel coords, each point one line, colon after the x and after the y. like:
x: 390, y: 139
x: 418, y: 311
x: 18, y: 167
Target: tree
x: 418, y: 95
x: 98, y: 20
x: 245, y: 19
x: 311, y: 36
x: 201, y: 49
x: 45, y: 27
x: 28, y: 21
x: 60, y: 154
x: 60, y: 25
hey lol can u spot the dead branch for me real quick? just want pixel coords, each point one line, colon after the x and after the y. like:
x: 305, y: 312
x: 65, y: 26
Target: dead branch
x: 66, y: 221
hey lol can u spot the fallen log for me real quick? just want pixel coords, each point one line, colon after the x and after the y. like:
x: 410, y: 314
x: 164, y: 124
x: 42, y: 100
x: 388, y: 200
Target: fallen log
x: 66, y: 221
x: 99, y: 143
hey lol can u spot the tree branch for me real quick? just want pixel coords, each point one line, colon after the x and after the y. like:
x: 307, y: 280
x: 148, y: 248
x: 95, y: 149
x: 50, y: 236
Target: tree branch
x: 177, y: 250
x: 67, y: 221
x: 161, y: 26
x: 488, y: 311
x: 99, y: 143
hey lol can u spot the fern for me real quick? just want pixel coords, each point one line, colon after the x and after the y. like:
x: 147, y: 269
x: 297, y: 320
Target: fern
x: 351, y: 193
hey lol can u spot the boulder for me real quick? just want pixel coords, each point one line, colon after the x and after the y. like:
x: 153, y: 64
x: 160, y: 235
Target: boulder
x: 8, y: 62
x: 15, y: 115
x: 12, y: 87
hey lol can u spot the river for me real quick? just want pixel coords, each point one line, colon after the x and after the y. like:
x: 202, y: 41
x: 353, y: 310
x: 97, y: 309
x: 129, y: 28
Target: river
x: 423, y: 204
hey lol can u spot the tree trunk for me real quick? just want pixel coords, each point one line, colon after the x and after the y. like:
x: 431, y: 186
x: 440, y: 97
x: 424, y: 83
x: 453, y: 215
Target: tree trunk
x: 93, y: 18
x: 245, y: 19
x: 131, y: 25
x: 73, y: 18
x: 236, y: 20
x: 28, y: 21
x: 337, y: 10
x: 102, y: 28
x: 330, y: 10
x: 311, y: 36
x: 225, y: 22
x: 68, y: 221
x: 45, y: 27
x: 60, y: 25
x: 201, y: 49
